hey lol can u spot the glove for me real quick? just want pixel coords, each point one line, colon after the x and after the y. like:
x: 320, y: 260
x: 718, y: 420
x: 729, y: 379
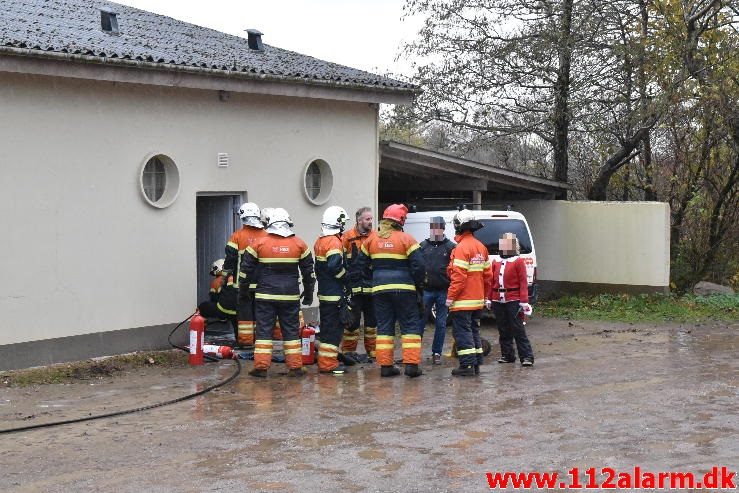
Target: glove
x: 488, y: 304
x: 346, y: 317
x: 449, y: 303
x: 527, y: 310
x: 307, y: 298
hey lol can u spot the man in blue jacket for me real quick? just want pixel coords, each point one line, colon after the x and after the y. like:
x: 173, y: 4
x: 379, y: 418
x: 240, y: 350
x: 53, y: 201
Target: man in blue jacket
x: 436, y: 251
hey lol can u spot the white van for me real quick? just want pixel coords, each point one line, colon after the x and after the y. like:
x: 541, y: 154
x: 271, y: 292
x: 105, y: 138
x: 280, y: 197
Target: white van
x: 495, y: 223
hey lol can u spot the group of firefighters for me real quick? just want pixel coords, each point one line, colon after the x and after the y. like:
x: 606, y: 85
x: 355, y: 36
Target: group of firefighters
x: 375, y: 276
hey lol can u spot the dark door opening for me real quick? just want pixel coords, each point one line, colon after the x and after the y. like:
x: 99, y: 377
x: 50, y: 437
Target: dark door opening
x: 217, y: 219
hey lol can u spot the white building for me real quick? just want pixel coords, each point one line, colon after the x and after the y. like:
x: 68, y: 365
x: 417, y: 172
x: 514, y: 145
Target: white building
x: 126, y: 141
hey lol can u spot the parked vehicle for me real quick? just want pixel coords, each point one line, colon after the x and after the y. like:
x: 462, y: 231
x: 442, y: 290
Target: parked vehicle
x: 495, y: 223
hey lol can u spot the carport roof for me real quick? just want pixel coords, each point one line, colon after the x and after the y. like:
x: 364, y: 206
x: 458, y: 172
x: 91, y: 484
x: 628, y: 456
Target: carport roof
x: 412, y: 161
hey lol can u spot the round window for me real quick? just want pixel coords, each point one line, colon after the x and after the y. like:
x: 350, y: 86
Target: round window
x: 319, y: 181
x: 160, y: 181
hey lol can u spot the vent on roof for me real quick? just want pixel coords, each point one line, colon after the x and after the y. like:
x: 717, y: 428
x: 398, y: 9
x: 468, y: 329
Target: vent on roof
x: 109, y: 21
x: 255, y: 39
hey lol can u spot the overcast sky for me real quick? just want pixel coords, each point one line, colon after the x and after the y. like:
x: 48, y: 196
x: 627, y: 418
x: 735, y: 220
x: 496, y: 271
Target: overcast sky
x: 365, y: 34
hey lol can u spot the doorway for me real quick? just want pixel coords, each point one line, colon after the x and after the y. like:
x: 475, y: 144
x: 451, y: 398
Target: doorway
x: 217, y: 218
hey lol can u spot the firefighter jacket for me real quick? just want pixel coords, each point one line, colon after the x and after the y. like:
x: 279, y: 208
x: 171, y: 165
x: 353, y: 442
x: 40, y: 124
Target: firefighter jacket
x: 275, y: 263
x: 436, y: 259
x: 235, y: 249
x: 228, y: 296
x: 330, y: 271
x: 509, y: 280
x: 470, y: 274
x: 393, y: 258
x: 352, y: 241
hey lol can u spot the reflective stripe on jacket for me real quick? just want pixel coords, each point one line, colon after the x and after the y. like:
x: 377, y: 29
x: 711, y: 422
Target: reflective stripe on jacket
x: 330, y: 271
x: 275, y: 263
x: 470, y: 274
x: 395, y: 262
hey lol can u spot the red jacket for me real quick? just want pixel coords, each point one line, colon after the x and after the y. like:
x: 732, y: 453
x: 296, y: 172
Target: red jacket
x: 509, y: 281
x: 469, y: 273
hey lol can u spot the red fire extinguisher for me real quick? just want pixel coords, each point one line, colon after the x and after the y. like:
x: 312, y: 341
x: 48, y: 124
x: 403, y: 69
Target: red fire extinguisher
x: 308, y: 337
x: 219, y: 352
x: 197, y: 331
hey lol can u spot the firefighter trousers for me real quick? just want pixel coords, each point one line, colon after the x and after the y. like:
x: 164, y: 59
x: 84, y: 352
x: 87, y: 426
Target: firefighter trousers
x: 510, y: 328
x: 209, y: 309
x: 401, y: 307
x: 362, y: 307
x: 466, y: 332
x: 266, y: 316
x: 329, y: 336
x: 245, y: 314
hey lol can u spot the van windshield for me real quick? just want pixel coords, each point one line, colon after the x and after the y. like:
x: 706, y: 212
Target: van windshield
x: 493, y: 229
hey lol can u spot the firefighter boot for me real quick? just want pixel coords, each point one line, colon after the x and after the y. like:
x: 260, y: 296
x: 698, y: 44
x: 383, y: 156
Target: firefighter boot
x: 389, y: 371
x: 464, y: 371
x: 258, y: 373
x: 295, y: 372
x: 477, y: 369
x: 413, y: 370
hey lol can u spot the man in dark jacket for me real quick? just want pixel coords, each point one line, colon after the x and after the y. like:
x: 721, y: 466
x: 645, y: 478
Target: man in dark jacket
x: 436, y: 251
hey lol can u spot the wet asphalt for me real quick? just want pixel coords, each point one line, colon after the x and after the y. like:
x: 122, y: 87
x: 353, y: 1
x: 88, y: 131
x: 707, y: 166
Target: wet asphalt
x: 661, y: 397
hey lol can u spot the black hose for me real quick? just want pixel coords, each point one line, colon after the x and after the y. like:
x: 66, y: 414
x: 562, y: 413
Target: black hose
x: 138, y: 409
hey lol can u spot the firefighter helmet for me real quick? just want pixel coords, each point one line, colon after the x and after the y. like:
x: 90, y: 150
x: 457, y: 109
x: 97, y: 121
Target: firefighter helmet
x: 396, y: 212
x: 279, y: 215
x: 465, y: 220
x: 216, y: 267
x: 334, y: 217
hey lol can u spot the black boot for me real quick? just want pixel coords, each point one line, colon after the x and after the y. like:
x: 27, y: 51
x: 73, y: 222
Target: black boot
x: 295, y: 372
x: 477, y: 369
x: 413, y: 371
x: 464, y: 371
x: 258, y: 373
x: 339, y: 370
x: 389, y: 371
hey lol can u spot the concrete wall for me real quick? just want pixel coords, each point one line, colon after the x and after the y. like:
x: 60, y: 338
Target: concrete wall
x: 82, y: 252
x: 600, y: 246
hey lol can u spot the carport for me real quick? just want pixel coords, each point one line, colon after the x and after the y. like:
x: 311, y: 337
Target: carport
x: 432, y: 180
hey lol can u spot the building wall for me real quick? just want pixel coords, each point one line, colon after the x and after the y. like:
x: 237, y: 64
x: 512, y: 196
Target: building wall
x: 600, y: 246
x: 84, y: 253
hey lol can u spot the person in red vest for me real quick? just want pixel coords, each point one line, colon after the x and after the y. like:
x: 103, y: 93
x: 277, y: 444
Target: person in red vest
x: 394, y: 259
x: 251, y: 230
x: 509, y: 296
x: 331, y: 277
x: 276, y: 262
x: 470, y: 279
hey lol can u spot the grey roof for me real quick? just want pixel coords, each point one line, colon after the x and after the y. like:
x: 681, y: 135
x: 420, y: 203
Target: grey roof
x: 73, y: 26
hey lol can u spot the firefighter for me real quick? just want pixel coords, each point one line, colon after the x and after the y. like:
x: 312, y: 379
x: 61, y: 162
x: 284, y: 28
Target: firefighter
x: 471, y: 276
x: 361, y: 290
x: 251, y: 230
x: 394, y: 259
x: 509, y: 295
x: 331, y: 277
x: 221, y: 302
x: 274, y: 263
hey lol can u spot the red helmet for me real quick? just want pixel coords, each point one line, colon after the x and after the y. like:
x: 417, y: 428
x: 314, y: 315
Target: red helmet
x: 396, y: 212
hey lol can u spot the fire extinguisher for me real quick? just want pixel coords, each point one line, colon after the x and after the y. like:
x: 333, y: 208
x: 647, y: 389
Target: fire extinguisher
x: 218, y: 352
x: 308, y: 338
x: 197, y: 331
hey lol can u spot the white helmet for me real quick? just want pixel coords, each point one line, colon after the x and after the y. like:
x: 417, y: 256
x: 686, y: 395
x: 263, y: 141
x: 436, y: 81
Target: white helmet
x: 279, y: 222
x: 264, y: 217
x: 216, y: 267
x: 250, y: 214
x: 334, y: 220
x: 465, y: 220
